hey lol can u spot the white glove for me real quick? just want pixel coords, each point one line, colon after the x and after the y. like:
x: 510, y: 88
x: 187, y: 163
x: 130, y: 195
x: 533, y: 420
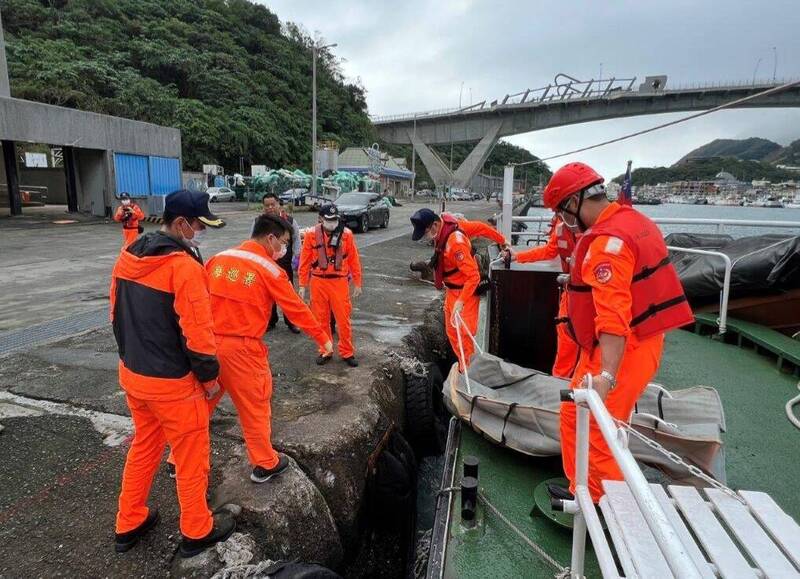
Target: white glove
x: 356, y: 292
x: 457, y: 307
x: 301, y: 291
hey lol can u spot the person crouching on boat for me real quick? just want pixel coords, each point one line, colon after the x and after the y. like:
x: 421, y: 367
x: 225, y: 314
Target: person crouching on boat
x: 454, y: 268
x: 561, y: 243
x: 623, y: 296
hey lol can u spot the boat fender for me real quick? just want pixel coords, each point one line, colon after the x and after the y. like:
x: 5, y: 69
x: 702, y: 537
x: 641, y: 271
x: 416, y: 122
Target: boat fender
x: 426, y: 417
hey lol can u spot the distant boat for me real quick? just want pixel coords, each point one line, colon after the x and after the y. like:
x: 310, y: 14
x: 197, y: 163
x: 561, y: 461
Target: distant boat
x: 773, y: 202
x: 701, y: 201
x: 646, y: 201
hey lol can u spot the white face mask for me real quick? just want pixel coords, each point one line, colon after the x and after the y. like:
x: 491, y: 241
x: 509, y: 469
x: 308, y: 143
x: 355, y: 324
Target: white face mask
x: 197, y: 240
x: 280, y: 252
x: 329, y: 225
x: 126, y: 202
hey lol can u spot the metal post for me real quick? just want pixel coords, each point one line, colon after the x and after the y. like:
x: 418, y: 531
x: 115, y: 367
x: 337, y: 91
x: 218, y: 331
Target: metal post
x: 314, y: 50
x: 71, y: 181
x: 582, y: 481
x: 12, y: 177
x: 726, y: 282
x: 414, y: 160
x: 508, y: 188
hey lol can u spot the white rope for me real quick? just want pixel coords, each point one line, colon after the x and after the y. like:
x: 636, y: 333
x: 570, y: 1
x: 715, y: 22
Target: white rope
x: 462, y: 360
x: 790, y: 412
x: 463, y: 324
x: 727, y: 105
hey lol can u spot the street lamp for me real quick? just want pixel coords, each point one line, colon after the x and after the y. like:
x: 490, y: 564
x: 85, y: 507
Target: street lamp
x: 774, y: 63
x: 315, y: 48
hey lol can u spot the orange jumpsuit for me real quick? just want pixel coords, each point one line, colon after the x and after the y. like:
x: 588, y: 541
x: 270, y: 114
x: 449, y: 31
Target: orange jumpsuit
x: 130, y: 229
x: 244, y: 283
x: 161, y: 313
x: 611, y: 294
x: 461, y: 285
x: 566, y: 349
x: 330, y: 289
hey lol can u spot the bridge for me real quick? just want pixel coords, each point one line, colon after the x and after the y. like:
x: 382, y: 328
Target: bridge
x: 566, y: 101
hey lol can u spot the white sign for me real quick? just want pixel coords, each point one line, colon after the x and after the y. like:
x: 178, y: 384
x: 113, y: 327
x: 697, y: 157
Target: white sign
x: 36, y: 159
x: 212, y: 169
x: 256, y: 170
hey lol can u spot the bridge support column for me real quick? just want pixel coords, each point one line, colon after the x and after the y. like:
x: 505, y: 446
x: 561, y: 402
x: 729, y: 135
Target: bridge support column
x: 476, y: 159
x: 440, y: 173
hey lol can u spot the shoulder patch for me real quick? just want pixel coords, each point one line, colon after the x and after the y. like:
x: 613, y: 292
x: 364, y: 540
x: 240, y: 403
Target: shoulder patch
x: 614, y: 245
x: 459, y: 255
x: 603, y: 272
x: 459, y: 237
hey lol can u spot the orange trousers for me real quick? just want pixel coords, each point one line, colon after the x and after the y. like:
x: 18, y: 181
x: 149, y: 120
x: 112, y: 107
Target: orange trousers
x: 470, y: 316
x: 244, y: 373
x: 639, y: 365
x: 567, y: 351
x: 184, y: 424
x: 332, y: 294
x: 129, y: 236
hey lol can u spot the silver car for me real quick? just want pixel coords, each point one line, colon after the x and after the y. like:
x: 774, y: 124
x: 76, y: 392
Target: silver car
x: 216, y: 194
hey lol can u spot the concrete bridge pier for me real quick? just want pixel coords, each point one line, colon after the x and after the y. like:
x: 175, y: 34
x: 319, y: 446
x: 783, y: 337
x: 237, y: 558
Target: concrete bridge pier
x: 441, y: 174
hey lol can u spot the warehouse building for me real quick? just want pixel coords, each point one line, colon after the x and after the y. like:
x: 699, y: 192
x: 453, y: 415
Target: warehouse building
x: 92, y: 158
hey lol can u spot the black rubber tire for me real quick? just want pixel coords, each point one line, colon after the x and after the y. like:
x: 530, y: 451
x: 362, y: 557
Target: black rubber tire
x: 363, y: 223
x: 385, y: 222
x: 426, y: 416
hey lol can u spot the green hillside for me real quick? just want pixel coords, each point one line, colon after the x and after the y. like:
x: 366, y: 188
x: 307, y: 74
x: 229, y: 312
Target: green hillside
x: 706, y: 169
x: 789, y: 155
x: 752, y: 149
x: 225, y: 72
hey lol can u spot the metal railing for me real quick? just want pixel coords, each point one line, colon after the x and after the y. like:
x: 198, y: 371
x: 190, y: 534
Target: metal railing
x: 588, y: 403
x: 722, y: 320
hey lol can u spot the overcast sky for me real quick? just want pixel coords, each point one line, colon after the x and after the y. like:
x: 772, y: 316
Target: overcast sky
x: 413, y: 55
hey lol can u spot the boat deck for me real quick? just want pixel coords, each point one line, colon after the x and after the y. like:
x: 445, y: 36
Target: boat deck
x: 761, y: 449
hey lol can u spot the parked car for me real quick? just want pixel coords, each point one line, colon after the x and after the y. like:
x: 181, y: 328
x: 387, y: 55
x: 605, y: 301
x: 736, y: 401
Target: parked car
x: 216, y: 194
x: 360, y: 211
x: 296, y: 196
x: 426, y: 193
x: 476, y: 196
x: 459, y: 195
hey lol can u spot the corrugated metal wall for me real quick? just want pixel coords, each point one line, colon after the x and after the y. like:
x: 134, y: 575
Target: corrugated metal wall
x: 132, y: 174
x: 141, y: 176
x: 165, y: 175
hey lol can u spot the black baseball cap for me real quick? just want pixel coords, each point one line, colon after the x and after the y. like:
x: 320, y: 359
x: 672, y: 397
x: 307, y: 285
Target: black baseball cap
x: 329, y: 211
x: 421, y: 220
x: 185, y: 203
x: 124, y: 195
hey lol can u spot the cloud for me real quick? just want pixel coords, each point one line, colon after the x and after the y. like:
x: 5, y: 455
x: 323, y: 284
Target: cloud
x: 415, y: 55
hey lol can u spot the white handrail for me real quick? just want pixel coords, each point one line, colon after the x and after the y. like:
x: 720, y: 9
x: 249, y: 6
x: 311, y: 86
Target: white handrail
x: 722, y: 321
x: 678, y: 559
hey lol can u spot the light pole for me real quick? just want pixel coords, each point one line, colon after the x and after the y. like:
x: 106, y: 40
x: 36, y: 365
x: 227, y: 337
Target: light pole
x: 774, y: 63
x: 755, y: 70
x: 314, y: 52
x: 414, y: 160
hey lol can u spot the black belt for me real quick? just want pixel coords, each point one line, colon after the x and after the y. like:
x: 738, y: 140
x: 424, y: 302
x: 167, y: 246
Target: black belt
x: 327, y: 275
x: 453, y: 286
x: 653, y: 309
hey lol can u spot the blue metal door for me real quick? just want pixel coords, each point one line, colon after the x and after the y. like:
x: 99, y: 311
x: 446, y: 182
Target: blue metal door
x: 132, y: 174
x: 165, y: 175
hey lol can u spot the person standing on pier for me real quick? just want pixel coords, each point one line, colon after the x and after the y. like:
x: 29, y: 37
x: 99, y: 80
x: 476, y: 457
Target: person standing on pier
x: 624, y: 295
x: 289, y: 262
x: 561, y: 244
x: 129, y: 214
x: 329, y: 260
x: 245, y: 283
x: 454, y: 268
x: 161, y: 315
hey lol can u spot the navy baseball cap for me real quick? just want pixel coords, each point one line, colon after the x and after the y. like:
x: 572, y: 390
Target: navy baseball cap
x: 421, y: 220
x: 329, y: 211
x: 124, y: 195
x: 187, y: 203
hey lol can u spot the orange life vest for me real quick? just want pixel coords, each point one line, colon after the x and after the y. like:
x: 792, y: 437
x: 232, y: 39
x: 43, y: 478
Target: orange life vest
x: 322, y: 251
x: 449, y: 227
x: 658, y: 301
x: 565, y: 243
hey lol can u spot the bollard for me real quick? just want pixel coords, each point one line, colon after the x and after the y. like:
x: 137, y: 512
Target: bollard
x: 471, y: 466
x: 469, y: 501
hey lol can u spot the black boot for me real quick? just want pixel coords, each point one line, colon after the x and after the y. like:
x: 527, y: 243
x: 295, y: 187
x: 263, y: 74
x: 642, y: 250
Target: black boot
x: 224, y: 526
x: 292, y: 328
x: 126, y: 541
x: 558, y: 492
x: 351, y: 361
x: 322, y: 360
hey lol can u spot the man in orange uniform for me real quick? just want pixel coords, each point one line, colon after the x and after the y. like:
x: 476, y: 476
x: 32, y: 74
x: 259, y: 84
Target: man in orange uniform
x: 456, y: 269
x: 473, y: 229
x: 561, y: 243
x: 129, y: 214
x: 244, y: 283
x: 330, y: 256
x: 161, y: 314
x: 624, y: 295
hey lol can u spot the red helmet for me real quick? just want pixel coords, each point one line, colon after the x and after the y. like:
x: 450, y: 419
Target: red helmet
x: 568, y: 180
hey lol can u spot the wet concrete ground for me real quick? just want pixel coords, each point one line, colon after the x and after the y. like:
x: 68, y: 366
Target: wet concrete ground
x: 60, y: 479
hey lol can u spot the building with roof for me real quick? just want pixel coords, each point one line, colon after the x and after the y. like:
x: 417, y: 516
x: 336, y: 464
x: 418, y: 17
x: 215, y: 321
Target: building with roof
x: 392, y: 172
x: 87, y: 158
